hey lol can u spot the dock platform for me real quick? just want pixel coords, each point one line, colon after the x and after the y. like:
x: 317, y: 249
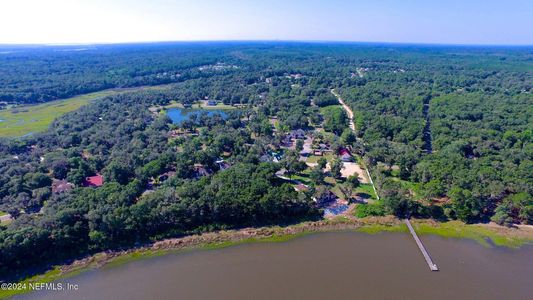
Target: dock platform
x: 431, y: 264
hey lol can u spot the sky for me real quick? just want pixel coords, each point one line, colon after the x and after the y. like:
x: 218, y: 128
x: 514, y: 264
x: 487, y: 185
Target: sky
x: 508, y: 22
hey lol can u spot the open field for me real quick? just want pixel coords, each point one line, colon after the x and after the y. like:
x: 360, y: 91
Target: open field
x: 27, y: 119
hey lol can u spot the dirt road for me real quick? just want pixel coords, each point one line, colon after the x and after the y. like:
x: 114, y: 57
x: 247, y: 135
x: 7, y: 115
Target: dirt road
x: 349, y: 112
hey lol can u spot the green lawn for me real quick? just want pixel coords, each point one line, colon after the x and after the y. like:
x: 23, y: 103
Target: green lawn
x: 2, y: 213
x: 411, y: 186
x: 218, y: 106
x: 367, y: 189
x: 303, y: 178
x: 315, y: 158
x: 329, y: 108
x: 26, y: 119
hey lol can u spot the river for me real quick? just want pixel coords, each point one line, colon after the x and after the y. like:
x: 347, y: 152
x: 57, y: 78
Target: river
x: 343, y: 265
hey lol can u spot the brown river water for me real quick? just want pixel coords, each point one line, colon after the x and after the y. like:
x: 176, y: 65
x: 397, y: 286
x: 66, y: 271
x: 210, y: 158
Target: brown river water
x: 343, y: 265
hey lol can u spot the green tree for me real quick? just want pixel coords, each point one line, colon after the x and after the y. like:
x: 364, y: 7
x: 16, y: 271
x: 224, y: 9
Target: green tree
x: 336, y: 167
x: 353, y: 181
x: 37, y: 180
x: 348, y: 137
x: 299, y: 145
x: 322, y: 162
x: 118, y: 172
x: 317, y: 175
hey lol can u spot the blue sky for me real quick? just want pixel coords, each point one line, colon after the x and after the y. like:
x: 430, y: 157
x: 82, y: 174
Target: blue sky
x: 403, y: 21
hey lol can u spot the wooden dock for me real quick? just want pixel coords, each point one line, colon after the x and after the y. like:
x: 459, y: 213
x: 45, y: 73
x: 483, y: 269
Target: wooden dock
x: 431, y: 264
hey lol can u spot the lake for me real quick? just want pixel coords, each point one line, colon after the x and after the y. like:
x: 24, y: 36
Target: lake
x: 178, y: 115
x: 345, y: 265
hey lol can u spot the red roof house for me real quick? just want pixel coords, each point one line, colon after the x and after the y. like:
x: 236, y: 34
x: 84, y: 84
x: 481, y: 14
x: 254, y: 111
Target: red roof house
x: 94, y: 181
x: 345, y: 155
x: 344, y: 151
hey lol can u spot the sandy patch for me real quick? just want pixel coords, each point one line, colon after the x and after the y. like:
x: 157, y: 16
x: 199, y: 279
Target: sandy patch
x: 348, y: 169
x: 351, y: 168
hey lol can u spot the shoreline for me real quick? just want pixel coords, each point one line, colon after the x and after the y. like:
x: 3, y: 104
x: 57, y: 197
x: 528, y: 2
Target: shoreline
x: 485, y: 234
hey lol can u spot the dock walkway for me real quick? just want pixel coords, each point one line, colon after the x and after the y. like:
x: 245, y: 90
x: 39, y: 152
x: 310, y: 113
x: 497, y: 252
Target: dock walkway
x: 431, y: 264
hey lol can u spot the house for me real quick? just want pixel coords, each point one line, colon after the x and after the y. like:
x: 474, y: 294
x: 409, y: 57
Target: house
x: 324, y: 147
x: 212, y: 103
x: 325, y: 198
x: 301, y: 187
x: 295, y: 76
x: 265, y: 158
x: 222, y: 165
x: 343, y: 151
x: 166, y: 175
x: 93, y: 181
x: 201, y: 171
x: 61, y: 186
x: 276, y: 156
x: 345, y: 155
x: 271, y: 156
x: 298, y: 134
x: 305, y: 152
x: 286, y: 142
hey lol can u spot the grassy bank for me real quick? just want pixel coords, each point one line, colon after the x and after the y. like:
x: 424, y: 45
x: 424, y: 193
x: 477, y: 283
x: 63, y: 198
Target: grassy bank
x: 483, y: 234
x: 486, y: 235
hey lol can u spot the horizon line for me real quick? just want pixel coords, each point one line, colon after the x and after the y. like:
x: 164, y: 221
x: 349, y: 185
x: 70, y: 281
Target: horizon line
x: 266, y: 41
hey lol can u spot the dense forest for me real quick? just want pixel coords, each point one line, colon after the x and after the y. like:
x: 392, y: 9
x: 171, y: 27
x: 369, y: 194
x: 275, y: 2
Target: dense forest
x: 446, y: 132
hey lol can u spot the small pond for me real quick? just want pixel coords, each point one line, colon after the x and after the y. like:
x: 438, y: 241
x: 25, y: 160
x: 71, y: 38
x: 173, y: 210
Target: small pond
x: 178, y: 115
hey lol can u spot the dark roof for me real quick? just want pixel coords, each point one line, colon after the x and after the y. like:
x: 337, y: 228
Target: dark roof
x: 166, y: 175
x: 326, y: 198
x: 201, y: 171
x: 346, y: 157
x: 61, y: 186
x: 223, y: 165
